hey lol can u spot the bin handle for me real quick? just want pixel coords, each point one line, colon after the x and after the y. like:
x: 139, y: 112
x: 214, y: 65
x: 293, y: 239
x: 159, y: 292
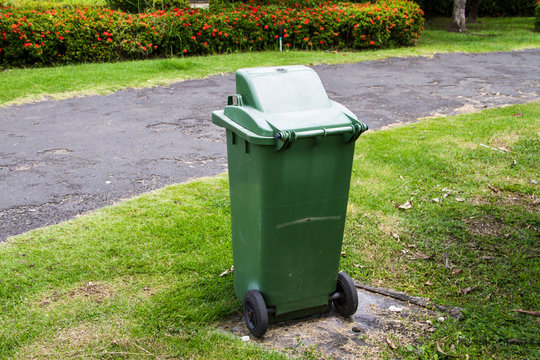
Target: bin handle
x: 285, y: 139
x: 239, y: 102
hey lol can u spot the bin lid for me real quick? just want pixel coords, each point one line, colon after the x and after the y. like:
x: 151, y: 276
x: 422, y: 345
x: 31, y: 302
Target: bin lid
x: 281, y: 89
x: 272, y: 100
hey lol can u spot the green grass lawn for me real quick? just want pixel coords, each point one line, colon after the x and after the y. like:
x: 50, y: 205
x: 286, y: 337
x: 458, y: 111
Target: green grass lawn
x: 141, y: 279
x: 27, y: 85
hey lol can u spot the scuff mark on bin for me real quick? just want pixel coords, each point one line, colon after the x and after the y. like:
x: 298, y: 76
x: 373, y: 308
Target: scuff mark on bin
x: 307, y: 220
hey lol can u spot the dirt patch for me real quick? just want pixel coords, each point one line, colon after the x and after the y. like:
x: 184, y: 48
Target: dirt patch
x: 92, y: 292
x: 87, y: 340
x: 485, y: 226
x: 529, y: 202
x: 99, y: 292
x: 504, y: 143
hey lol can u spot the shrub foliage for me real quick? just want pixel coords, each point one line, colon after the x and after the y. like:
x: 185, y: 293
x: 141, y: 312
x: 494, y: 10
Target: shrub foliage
x: 30, y: 37
x: 139, y: 6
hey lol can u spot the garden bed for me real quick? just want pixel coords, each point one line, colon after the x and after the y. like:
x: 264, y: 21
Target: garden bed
x: 32, y: 37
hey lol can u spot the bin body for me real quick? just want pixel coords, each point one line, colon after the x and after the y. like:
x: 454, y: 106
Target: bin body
x: 288, y: 198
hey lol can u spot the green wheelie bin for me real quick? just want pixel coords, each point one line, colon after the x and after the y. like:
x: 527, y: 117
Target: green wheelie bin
x: 290, y: 151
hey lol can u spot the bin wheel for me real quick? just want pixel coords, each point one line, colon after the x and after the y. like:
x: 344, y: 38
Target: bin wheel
x: 255, y: 313
x: 347, y: 301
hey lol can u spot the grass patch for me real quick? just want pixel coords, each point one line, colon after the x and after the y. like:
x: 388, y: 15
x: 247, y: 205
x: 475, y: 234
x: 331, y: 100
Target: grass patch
x: 141, y: 278
x: 27, y: 85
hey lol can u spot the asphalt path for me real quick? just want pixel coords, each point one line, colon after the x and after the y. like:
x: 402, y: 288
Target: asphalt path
x: 63, y: 158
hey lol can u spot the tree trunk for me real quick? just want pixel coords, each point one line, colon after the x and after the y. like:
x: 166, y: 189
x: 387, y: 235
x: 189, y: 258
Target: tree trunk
x: 473, y: 14
x: 458, y: 17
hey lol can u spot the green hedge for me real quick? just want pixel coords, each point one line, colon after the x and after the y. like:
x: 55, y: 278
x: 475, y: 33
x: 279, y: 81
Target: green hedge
x: 487, y: 7
x: 29, y: 37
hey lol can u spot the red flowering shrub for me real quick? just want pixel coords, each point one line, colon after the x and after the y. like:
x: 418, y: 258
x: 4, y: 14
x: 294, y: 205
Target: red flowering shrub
x: 30, y: 37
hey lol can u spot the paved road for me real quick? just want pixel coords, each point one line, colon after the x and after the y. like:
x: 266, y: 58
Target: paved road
x: 62, y: 158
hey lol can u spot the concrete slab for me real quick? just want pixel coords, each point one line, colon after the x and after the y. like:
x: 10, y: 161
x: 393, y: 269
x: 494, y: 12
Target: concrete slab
x: 363, y: 336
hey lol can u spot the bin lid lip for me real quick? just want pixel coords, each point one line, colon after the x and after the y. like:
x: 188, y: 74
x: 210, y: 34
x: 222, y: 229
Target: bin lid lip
x: 268, y: 124
x: 264, y: 70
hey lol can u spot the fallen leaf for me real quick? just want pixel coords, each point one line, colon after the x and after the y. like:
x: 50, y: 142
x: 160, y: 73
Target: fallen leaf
x: 493, y: 188
x: 406, y: 205
x: 456, y: 271
x: 420, y: 255
x: 528, y: 312
x: 412, y: 246
x: 428, y: 283
x: 395, y: 236
x: 343, y: 253
x: 518, y: 115
x: 435, y: 200
x: 391, y: 343
x: 466, y: 290
x: 427, y: 327
x: 459, y: 200
x: 359, y: 266
x: 229, y: 270
x: 395, y: 308
x: 439, y: 349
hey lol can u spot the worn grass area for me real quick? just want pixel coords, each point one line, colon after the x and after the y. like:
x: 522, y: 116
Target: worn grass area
x: 141, y: 278
x: 27, y: 85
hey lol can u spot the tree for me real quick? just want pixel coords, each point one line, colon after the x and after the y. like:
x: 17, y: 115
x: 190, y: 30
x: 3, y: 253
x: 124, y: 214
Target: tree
x: 473, y: 11
x: 458, y: 17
